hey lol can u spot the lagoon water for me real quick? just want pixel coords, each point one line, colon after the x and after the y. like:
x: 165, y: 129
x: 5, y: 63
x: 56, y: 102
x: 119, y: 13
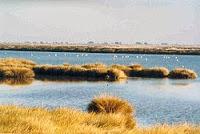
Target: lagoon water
x: 155, y: 100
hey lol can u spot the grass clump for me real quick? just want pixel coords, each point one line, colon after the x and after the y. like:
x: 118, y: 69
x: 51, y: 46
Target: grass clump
x: 59, y: 70
x: 92, y: 66
x: 136, y: 67
x: 13, y: 68
x: 124, y: 68
x: 16, y: 82
x: 16, y: 62
x: 157, y: 72
x: 182, y: 73
x: 109, y: 104
x: 16, y: 72
x: 79, y: 71
x: 131, y: 70
x: 115, y: 74
x: 112, y: 105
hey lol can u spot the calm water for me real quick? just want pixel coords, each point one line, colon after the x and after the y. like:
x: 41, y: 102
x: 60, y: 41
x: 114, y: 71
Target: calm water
x: 155, y: 100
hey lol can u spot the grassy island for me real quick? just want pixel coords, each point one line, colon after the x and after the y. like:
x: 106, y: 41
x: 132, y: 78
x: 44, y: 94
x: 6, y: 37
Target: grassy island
x: 22, y: 69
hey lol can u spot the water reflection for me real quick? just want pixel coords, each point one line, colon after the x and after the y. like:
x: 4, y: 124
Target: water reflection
x: 74, y: 79
x: 16, y: 81
x: 181, y: 83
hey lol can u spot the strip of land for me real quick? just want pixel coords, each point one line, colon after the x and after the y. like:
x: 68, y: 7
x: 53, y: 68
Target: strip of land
x: 105, y: 48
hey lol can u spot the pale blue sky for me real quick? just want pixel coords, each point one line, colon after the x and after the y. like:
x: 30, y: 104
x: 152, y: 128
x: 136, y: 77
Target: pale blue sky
x: 153, y: 21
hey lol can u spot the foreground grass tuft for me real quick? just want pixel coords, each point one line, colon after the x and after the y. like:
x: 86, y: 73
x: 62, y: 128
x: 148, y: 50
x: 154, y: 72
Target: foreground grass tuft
x: 113, y: 105
x: 113, y: 117
x: 109, y: 104
x: 182, y: 73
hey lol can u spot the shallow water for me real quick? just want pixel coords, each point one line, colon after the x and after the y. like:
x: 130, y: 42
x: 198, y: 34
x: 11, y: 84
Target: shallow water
x: 155, y: 100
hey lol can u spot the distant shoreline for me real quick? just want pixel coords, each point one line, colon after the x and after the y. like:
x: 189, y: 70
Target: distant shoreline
x: 105, y: 48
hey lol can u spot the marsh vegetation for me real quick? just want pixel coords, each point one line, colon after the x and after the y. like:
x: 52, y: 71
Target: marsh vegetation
x: 106, y: 114
x: 22, y: 69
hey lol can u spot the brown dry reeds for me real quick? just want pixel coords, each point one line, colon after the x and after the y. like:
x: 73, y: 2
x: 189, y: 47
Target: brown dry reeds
x: 79, y: 71
x: 182, y: 73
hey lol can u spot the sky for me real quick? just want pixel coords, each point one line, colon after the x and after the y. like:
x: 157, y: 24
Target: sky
x: 80, y: 21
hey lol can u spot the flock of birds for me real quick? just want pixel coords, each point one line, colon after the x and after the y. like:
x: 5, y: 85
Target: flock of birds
x: 114, y: 56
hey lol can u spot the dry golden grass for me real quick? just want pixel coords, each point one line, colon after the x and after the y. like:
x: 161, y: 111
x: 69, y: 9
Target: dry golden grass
x: 18, y: 69
x: 136, y: 67
x: 182, y: 73
x: 92, y: 66
x: 16, y: 72
x: 58, y: 121
x: 124, y: 68
x: 16, y: 62
x: 22, y: 68
x: 68, y: 121
x: 130, y: 70
x: 115, y: 74
x: 112, y: 105
x: 79, y: 71
x: 109, y: 104
x: 113, y: 117
x: 157, y: 72
x: 167, y: 129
